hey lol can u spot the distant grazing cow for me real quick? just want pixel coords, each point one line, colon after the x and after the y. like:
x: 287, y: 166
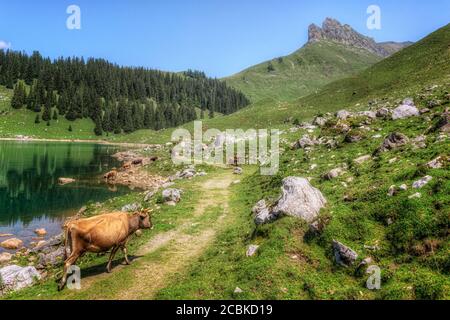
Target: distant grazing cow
x: 137, y: 161
x: 126, y: 165
x: 112, y: 175
x: 100, y: 234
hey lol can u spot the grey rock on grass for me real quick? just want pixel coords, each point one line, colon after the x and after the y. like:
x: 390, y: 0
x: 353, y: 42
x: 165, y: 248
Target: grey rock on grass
x: 299, y: 199
x: 344, y: 255
x: 13, y: 278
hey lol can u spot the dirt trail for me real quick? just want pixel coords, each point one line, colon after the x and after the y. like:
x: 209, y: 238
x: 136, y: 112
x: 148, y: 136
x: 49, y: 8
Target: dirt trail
x: 180, y: 246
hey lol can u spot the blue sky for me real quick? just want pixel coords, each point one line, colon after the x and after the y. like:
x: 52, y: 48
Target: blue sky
x: 220, y: 37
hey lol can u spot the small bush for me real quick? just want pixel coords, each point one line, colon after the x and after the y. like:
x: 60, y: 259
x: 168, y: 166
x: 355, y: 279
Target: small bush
x: 428, y: 287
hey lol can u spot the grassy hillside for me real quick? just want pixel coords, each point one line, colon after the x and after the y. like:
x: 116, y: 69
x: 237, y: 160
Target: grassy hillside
x: 404, y: 235
x: 302, y: 72
x: 423, y: 63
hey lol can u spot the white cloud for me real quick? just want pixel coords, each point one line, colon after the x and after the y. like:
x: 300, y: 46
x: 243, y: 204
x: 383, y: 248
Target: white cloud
x: 4, y: 45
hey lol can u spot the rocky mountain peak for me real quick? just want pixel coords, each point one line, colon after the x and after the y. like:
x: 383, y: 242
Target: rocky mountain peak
x: 333, y: 30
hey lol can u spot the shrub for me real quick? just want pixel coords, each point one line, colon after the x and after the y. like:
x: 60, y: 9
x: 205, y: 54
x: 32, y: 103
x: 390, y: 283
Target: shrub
x: 428, y: 287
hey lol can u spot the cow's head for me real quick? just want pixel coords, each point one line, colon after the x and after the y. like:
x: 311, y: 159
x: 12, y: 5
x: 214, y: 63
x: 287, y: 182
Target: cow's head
x: 145, y: 221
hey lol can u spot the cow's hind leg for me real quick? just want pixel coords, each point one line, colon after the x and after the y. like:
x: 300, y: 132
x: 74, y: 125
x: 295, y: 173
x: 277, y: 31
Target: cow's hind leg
x: 125, y: 253
x: 111, y: 257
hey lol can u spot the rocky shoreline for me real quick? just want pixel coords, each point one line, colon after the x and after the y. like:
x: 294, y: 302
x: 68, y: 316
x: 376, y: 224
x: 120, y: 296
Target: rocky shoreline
x: 22, y: 266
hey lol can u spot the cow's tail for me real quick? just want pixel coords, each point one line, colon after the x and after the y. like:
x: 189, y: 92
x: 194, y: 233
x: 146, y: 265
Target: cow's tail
x: 67, y: 241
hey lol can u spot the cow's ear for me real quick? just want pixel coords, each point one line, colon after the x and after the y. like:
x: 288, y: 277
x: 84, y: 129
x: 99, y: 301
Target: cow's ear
x: 144, y: 213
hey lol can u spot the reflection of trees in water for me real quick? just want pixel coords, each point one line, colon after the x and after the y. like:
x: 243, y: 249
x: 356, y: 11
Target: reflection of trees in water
x: 34, y: 192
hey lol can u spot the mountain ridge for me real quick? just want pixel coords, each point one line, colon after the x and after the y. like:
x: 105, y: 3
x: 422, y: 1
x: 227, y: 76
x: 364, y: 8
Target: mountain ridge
x: 332, y: 52
x: 333, y: 30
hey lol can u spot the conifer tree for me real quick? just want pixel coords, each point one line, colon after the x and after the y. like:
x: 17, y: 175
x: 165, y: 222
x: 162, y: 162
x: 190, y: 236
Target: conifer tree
x: 19, y: 96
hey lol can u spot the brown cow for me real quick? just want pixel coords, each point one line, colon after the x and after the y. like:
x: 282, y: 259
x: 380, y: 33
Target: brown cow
x: 137, y: 161
x: 112, y: 175
x: 127, y: 165
x: 100, y: 234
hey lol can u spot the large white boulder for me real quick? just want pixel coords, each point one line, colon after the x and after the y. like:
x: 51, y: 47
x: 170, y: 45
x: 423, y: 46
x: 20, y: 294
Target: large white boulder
x: 13, y: 278
x: 299, y: 199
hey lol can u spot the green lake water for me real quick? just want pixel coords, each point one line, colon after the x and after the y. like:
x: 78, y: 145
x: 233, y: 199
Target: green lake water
x: 30, y: 196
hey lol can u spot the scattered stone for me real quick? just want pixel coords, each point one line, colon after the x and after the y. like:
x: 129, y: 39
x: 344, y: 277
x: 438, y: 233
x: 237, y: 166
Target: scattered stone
x: 353, y: 136
x: 405, y: 110
x: 424, y: 110
x: 262, y: 213
x: 344, y: 255
x: 167, y: 185
x: 408, y: 102
x: 5, y: 257
x: 419, y: 142
x: 52, y: 258
x: 305, y: 142
x: 320, y: 121
x: 237, y: 170
x: 393, y: 160
x: 49, y: 245
x: 132, y: 207
x: 14, y: 278
x: 138, y: 233
x: 64, y: 181
x: 171, y: 195
x: 333, y: 174
x: 383, y: 113
x: 238, y: 290
x: 444, y: 122
x: 363, y: 159
x: 40, y: 232
x: 434, y: 103
x: 393, y: 141
x: 422, y: 182
x: 299, y: 199
x: 187, y: 173
x: 415, y: 195
x: 343, y: 114
x: 149, y: 195
x: 372, y: 248
x: 437, y: 163
x: 392, y: 191
x: 236, y: 182
x: 403, y: 187
x: 368, y: 114
x: 12, y: 244
x: 252, y: 250
x: 366, y: 262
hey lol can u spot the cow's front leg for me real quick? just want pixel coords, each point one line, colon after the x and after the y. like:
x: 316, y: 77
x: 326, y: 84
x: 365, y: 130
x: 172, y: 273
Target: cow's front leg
x: 111, y: 257
x: 70, y: 261
x: 125, y: 253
